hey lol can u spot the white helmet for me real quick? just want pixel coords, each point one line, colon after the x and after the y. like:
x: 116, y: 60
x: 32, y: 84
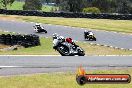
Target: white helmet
x: 85, y: 31
x: 61, y: 37
x: 37, y: 24
x: 55, y: 35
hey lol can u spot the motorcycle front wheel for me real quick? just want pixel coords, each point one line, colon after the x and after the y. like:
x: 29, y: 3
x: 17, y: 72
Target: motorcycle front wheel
x: 63, y: 50
x: 45, y: 31
x: 81, y: 52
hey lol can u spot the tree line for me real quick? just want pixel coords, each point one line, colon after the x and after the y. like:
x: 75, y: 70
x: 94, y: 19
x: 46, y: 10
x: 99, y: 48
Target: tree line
x: 104, y: 6
x: 100, y: 6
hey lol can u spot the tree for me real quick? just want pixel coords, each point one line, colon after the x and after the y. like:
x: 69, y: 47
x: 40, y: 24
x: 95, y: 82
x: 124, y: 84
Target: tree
x: 91, y: 10
x: 4, y: 3
x: 105, y: 6
x: 75, y: 5
x: 32, y: 5
x: 57, y: 2
x: 124, y: 6
x: 47, y: 1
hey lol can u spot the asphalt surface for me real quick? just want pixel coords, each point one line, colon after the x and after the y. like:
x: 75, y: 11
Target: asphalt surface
x: 103, y: 37
x: 20, y: 65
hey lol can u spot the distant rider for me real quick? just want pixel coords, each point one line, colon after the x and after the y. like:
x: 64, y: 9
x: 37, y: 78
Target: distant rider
x: 38, y: 27
x: 88, y: 33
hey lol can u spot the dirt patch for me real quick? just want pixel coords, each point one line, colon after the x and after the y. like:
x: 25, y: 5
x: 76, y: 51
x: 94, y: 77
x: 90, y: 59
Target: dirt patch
x: 3, y: 46
x: 9, y: 17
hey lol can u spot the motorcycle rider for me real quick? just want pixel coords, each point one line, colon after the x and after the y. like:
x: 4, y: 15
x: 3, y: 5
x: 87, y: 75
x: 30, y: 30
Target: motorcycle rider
x: 56, y: 37
x: 89, y: 33
x: 66, y: 46
x: 70, y: 40
x: 37, y: 27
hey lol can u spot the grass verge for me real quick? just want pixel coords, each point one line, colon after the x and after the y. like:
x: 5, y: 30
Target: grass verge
x: 47, y: 49
x: 44, y: 49
x: 3, y: 46
x: 59, y: 80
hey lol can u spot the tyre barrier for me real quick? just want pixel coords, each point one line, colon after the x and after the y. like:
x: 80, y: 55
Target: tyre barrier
x: 68, y: 14
x: 23, y: 40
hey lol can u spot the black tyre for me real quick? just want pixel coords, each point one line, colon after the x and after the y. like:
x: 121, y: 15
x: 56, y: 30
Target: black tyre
x: 85, y: 37
x: 45, y: 31
x: 63, y: 50
x: 94, y: 39
x: 81, y: 80
x: 81, y: 52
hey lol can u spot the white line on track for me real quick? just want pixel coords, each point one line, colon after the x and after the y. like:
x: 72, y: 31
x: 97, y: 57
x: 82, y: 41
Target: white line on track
x: 30, y: 55
x: 9, y: 66
x: 113, y: 55
x: 52, y: 55
x: 32, y: 22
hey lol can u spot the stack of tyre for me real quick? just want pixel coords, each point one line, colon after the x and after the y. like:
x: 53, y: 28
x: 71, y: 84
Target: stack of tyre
x: 23, y: 40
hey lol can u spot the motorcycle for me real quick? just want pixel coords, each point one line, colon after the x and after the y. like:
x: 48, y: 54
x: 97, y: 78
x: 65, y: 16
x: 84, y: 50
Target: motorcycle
x: 39, y: 30
x: 67, y: 49
x: 89, y: 37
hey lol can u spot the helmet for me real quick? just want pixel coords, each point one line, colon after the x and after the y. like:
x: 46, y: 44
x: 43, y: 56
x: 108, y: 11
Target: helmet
x: 37, y: 24
x: 85, y: 31
x: 61, y: 37
x: 69, y: 40
x: 55, y: 35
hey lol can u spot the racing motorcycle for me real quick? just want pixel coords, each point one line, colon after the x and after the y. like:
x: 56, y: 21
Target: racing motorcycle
x: 65, y: 48
x: 39, y: 29
x: 89, y: 37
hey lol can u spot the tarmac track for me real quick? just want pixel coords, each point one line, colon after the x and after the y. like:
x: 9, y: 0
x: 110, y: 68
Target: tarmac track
x: 21, y: 65
x: 112, y: 39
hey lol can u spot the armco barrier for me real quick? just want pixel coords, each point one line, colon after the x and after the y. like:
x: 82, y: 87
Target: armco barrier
x: 23, y: 40
x: 67, y: 14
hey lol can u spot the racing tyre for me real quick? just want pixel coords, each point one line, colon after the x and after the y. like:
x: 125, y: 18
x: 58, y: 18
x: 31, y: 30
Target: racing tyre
x: 63, y: 50
x: 45, y: 31
x: 81, y: 52
x: 94, y: 39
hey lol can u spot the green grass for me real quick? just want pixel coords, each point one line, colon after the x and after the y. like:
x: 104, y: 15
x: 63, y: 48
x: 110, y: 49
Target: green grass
x: 19, y: 6
x: 59, y: 80
x: 16, y: 6
x: 47, y: 49
x: 98, y: 24
x: 1, y: 32
x: 47, y: 8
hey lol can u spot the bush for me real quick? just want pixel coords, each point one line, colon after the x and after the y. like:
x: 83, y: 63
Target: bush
x: 32, y: 5
x: 91, y: 10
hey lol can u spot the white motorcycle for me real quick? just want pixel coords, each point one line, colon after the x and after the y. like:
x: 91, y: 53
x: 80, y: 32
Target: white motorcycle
x: 39, y: 29
x: 65, y: 48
